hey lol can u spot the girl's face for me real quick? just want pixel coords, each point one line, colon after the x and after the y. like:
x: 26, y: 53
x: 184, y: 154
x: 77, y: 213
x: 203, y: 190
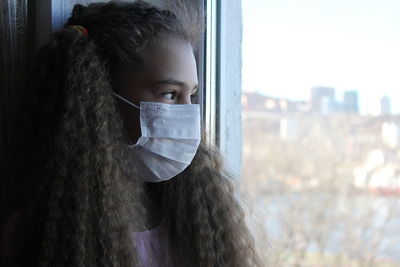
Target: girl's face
x: 169, y: 75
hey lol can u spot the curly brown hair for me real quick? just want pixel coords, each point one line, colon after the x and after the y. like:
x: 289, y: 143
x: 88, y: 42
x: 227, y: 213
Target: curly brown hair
x: 87, y: 203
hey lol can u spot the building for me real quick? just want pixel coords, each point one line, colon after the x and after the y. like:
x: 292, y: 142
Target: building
x: 259, y: 102
x: 350, y: 102
x: 322, y: 99
x: 385, y: 105
x: 391, y: 134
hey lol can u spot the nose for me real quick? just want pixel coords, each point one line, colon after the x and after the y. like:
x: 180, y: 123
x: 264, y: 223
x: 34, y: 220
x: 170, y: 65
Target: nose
x: 185, y: 99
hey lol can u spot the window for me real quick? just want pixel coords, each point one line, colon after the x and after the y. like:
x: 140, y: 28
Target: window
x: 321, y: 129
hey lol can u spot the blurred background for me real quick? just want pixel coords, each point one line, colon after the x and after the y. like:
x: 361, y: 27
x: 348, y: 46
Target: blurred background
x: 321, y: 129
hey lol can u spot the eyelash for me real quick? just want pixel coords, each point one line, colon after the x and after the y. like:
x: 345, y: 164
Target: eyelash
x: 174, y: 94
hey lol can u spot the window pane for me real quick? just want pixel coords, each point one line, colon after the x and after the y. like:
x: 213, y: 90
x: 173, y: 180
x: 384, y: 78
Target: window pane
x: 321, y: 129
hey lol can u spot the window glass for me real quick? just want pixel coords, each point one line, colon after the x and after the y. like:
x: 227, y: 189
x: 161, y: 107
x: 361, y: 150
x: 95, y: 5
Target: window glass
x: 321, y: 129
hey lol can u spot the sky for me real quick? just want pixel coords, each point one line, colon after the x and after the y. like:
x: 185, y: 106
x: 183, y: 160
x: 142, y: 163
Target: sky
x: 290, y: 46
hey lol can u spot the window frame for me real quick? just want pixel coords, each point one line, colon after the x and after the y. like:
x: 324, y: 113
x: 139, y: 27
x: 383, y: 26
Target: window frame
x: 222, y: 82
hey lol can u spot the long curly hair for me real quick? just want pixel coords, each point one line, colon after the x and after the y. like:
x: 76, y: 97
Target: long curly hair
x: 87, y: 201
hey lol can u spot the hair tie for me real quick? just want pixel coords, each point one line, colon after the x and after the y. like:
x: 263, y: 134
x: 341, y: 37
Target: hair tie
x: 79, y: 29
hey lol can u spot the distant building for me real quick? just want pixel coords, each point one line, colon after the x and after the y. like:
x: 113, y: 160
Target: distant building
x: 350, y: 102
x: 259, y: 102
x: 391, y: 134
x: 328, y: 106
x: 385, y: 105
x: 322, y: 99
x: 289, y: 129
x: 253, y: 102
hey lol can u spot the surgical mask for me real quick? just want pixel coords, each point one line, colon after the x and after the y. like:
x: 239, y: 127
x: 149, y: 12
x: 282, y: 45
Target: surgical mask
x: 169, y: 141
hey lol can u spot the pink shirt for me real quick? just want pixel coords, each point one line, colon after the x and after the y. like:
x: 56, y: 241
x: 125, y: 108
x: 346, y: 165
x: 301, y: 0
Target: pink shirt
x: 154, y: 248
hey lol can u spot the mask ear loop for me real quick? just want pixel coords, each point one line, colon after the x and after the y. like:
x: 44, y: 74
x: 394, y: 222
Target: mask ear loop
x: 125, y: 100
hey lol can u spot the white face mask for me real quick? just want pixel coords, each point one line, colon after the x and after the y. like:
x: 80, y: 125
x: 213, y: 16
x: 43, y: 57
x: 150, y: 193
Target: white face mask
x: 169, y: 141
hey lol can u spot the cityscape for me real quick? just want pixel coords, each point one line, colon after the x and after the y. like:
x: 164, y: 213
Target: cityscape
x: 322, y: 101
x: 323, y: 171
x: 377, y: 138
x: 326, y: 178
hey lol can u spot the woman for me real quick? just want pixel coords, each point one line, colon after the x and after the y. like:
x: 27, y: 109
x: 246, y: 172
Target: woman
x: 101, y: 200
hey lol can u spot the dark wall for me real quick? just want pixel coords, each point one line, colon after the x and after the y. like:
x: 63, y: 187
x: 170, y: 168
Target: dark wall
x: 13, y: 65
x: 25, y: 26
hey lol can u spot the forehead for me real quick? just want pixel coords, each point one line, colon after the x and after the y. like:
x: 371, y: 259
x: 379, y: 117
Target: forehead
x: 171, y: 58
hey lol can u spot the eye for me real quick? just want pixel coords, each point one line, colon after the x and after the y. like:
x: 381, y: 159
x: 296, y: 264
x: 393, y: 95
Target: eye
x: 195, y: 92
x: 169, y: 95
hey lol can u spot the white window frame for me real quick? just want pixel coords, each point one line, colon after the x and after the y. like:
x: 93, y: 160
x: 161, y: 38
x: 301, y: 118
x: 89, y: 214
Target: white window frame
x: 223, y: 81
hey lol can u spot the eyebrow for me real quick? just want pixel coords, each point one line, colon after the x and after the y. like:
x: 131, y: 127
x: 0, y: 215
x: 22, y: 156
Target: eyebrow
x: 173, y: 82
